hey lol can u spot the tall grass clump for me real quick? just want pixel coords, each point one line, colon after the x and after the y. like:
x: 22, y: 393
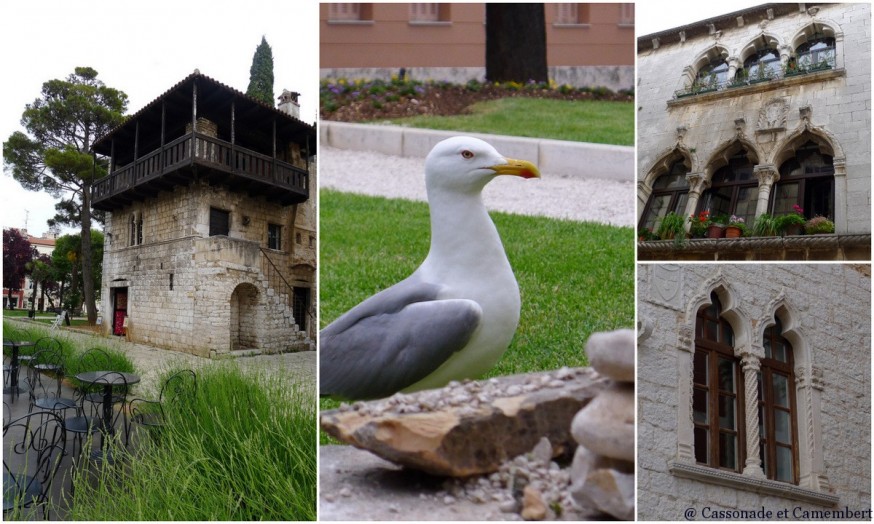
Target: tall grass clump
x: 242, y: 448
x: 71, y: 350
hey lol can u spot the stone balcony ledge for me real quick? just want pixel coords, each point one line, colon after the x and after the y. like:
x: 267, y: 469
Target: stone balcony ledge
x: 801, y: 247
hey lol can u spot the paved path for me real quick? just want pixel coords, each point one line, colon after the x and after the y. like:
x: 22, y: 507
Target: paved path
x: 555, y: 196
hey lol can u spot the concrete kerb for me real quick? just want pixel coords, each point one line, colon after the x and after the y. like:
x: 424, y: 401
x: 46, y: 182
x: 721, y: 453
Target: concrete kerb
x: 574, y: 159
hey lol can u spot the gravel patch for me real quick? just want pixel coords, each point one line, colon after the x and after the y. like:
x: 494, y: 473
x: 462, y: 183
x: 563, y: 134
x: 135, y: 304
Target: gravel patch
x: 554, y: 196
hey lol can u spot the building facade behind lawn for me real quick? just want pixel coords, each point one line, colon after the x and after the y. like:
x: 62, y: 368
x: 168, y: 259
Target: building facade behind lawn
x: 754, y: 389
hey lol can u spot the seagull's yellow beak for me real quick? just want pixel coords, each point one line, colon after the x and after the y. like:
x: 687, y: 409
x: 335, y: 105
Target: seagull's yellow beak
x: 514, y: 167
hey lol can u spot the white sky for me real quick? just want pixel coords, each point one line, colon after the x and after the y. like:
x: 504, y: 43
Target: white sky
x: 143, y: 48
x: 652, y: 16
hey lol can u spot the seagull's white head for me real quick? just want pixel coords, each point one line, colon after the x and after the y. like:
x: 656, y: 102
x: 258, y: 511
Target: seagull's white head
x: 467, y: 164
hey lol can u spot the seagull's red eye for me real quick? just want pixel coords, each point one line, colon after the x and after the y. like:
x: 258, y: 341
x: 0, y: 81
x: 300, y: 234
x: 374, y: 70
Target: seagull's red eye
x: 467, y: 154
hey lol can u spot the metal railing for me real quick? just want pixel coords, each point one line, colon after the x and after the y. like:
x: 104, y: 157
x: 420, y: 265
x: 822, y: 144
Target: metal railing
x: 803, y: 64
x: 277, y: 281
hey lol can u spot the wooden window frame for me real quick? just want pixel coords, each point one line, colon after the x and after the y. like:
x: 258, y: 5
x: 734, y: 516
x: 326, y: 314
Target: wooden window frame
x: 735, y: 186
x: 278, y: 236
x: 767, y: 408
x: 675, y: 194
x: 713, y: 349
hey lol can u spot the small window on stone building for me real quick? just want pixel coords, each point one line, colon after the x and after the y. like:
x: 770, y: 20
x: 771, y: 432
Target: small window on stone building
x: 669, y: 193
x: 312, y: 241
x: 140, y: 229
x: 274, y: 236
x: 171, y: 281
x: 776, y: 399
x: 132, y: 238
x: 734, y: 190
x: 297, y: 239
x: 717, y: 399
x: 219, y: 222
x: 806, y: 180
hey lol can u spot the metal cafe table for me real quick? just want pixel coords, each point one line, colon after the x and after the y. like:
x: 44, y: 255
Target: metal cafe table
x: 14, y: 365
x: 109, y: 380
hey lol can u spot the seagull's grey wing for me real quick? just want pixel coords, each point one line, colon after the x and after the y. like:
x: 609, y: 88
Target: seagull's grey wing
x: 392, y: 340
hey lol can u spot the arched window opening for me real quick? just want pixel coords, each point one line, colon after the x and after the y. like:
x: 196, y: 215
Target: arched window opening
x: 817, y: 51
x: 733, y: 190
x: 669, y: 193
x: 717, y: 399
x: 764, y: 64
x: 778, y: 441
x: 806, y: 180
x: 713, y: 74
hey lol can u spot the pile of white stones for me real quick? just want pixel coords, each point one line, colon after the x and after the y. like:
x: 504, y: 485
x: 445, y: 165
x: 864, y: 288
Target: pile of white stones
x: 603, y: 470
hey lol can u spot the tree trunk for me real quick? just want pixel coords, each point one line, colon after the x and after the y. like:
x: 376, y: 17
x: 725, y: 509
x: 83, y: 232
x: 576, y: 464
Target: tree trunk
x: 87, y: 267
x: 516, y: 43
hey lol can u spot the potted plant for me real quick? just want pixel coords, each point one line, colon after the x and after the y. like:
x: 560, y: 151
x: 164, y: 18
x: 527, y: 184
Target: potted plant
x: 819, y: 225
x: 735, y: 227
x: 698, y: 224
x: 765, y: 226
x: 672, y: 226
x: 716, y: 229
x: 791, y: 223
x: 645, y: 234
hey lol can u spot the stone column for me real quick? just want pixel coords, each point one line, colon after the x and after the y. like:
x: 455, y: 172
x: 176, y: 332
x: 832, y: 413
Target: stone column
x: 808, y: 393
x: 689, y: 75
x: 643, y: 193
x: 734, y: 64
x: 751, y: 365
x: 685, y: 374
x: 768, y: 176
x: 697, y: 184
x: 841, y: 218
x: 785, y: 53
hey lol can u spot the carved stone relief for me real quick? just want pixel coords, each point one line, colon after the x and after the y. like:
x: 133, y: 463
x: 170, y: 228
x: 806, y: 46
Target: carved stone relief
x: 666, y: 285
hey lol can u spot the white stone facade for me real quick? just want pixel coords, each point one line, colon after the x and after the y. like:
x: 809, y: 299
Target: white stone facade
x: 825, y: 311
x: 209, y: 295
x: 771, y: 119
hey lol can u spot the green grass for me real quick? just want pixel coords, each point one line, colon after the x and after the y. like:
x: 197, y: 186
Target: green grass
x: 600, y: 122
x: 242, y: 449
x: 71, y: 350
x: 575, y: 278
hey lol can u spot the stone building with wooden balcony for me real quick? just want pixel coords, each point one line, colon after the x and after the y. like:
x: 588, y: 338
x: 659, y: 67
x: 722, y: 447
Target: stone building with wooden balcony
x: 210, y: 228
x: 751, y: 114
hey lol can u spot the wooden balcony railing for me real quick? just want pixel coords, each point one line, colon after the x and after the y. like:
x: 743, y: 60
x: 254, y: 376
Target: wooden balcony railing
x: 202, y: 150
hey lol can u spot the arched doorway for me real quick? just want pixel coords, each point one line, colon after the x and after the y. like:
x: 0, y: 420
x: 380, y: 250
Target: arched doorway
x: 244, y: 317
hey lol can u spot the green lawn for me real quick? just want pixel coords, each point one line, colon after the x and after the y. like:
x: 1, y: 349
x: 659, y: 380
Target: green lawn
x: 575, y: 278
x: 580, y: 121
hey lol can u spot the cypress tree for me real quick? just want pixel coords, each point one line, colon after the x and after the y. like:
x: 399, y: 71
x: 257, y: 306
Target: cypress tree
x: 261, y: 74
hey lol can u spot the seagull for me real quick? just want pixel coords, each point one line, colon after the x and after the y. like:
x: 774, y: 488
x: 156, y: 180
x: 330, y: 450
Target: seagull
x: 456, y: 314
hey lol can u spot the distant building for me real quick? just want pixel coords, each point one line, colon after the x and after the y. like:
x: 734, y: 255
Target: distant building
x: 752, y: 113
x: 20, y: 298
x: 754, y: 391
x: 587, y: 44
x: 210, y: 228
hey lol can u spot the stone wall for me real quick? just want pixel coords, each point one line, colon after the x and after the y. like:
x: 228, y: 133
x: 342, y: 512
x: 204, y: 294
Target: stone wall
x: 831, y: 307
x: 195, y: 315
x: 834, y: 105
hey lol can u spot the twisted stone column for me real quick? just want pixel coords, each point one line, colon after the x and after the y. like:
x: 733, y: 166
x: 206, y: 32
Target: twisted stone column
x: 751, y: 366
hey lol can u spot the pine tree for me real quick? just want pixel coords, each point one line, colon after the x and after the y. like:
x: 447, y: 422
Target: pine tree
x: 261, y: 74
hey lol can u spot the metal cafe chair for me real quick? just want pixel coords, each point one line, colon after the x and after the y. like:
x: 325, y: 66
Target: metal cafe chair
x: 33, y: 447
x: 150, y: 413
x: 95, y: 415
x: 44, y: 379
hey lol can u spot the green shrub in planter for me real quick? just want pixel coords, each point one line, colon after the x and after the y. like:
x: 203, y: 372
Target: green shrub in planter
x: 819, y: 225
x: 765, y: 226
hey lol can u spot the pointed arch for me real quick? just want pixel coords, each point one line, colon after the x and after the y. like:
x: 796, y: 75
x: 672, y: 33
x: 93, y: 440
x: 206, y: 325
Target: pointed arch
x: 732, y: 310
x: 805, y: 132
x: 728, y: 148
x: 666, y: 159
x: 760, y: 41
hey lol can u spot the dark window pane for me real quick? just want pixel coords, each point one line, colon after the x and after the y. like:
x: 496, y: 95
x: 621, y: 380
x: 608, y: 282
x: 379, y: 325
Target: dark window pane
x: 727, y: 412
x: 219, y: 222
x: 784, y: 464
x: 702, y: 445
x: 726, y: 374
x: 766, y: 341
x: 712, y: 330
x: 700, y: 365
x: 274, y: 236
x: 727, y: 451
x: 763, y: 456
x: 782, y: 427
x: 699, y: 405
x: 760, y: 392
x: 780, y: 384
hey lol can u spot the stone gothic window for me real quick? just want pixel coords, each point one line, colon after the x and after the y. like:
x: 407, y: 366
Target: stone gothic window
x: 763, y: 64
x: 669, y: 193
x: 818, y: 49
x: 806, y: 180
x: 777, y: 412
x: 713, y: 74
x: 717, y: 398
x: 733, y: 190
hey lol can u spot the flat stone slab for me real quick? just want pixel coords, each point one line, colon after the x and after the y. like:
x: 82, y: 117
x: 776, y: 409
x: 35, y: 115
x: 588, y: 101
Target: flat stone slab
x: 469, y: 428
x: 357, y: 485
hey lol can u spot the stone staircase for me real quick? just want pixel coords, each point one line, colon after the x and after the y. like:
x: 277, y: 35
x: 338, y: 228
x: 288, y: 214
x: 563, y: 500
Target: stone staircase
x: 279, y: 297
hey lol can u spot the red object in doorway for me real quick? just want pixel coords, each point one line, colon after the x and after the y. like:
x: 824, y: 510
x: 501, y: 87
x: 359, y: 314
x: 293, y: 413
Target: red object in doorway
x: 119, y: 323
